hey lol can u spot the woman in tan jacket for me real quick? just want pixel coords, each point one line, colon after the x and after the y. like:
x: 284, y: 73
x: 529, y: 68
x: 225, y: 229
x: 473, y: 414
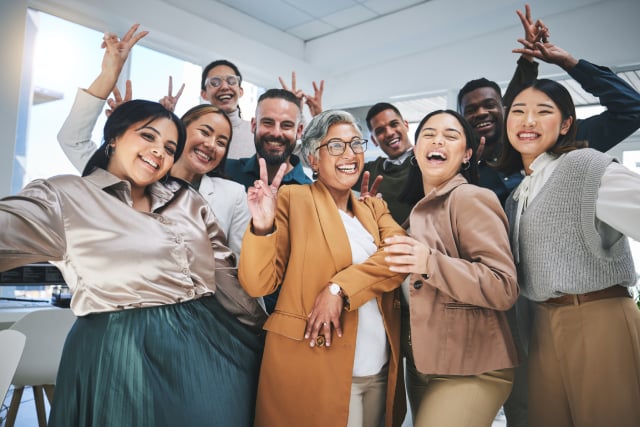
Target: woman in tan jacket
x: 332, y: 347
x: 460, y: 354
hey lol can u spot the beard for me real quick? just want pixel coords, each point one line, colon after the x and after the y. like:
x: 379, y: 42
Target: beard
x: 273, y: 159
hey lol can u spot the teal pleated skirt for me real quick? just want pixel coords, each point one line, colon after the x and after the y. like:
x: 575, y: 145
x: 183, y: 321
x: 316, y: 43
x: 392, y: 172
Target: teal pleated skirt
x: 188, y: 364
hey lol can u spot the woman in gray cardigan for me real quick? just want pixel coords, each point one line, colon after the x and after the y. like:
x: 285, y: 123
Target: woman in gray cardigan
x: 570, y: 218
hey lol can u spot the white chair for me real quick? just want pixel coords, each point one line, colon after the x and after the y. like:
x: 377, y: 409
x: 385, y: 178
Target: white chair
x: 45, y: 331
x: 12, y: 344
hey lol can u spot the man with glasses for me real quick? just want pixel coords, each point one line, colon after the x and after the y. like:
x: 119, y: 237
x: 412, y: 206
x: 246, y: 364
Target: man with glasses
x: 389, y: 131
x: 222, y: 86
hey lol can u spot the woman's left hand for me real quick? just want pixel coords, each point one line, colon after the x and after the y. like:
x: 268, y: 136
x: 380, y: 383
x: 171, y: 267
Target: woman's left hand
x: 406, y: 254
x: 324, y: 315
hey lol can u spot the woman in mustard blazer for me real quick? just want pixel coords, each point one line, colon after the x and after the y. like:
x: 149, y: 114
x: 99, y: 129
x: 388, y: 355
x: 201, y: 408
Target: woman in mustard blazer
x: 332, y: 345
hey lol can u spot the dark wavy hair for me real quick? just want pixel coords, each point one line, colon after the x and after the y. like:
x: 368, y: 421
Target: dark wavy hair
x: 510, y: 161
x: 200, y: 110
x: 125, y: 116
x: 413, y: 190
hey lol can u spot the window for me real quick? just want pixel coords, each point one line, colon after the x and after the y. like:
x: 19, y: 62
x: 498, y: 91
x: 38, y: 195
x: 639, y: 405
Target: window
x: 67, y: 56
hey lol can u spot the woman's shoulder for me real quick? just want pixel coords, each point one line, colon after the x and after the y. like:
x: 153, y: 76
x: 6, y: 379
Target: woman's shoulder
x: 587, y: 155
x: 469, y: 195
x: 223, y: 184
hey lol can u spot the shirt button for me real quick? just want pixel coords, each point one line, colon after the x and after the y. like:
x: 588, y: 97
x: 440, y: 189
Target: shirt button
x: 178, y: 240
x: 417, y: 284
x: 185, y: 271
x: 190, y: 293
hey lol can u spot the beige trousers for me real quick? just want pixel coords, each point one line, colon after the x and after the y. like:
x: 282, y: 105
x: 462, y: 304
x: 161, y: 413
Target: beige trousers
x: 368, y: 400
x: 584, y: 364
x: 455, y: 400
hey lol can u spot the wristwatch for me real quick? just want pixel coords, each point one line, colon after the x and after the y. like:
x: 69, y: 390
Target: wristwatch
x: 335, y: 289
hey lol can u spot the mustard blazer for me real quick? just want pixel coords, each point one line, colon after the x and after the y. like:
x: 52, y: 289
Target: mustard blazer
x: 300, y: 385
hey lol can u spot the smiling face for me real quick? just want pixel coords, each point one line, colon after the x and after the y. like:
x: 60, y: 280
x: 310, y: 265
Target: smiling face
x: 144, y: 153
x: 441, y: 148
x: 207, y: 141
x: 226, y: 96
x: 390, y: 133
x: 338, y: 173
x: 483, y: 110
x: 276, y: 128
x: 534, y: 124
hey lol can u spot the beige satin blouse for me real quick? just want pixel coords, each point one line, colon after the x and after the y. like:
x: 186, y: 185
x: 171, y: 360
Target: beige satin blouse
x: 112, y: 256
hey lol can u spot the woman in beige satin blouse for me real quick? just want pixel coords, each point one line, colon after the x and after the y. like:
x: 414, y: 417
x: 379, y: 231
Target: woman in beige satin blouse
x: 140, y: 251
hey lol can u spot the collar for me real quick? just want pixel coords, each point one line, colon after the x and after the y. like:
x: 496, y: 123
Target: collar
x: 332, y: 225
x: 295, y: 175
x: 537, y: 167
x: 446, y: 188
x: 235, y: 118
x: 541, y: 162
x: 398, y: 160
x: 161, y: 192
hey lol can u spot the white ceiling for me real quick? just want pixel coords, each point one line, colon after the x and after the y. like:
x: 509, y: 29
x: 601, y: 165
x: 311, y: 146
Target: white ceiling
x: 403, y: 51
x: 310, y: 19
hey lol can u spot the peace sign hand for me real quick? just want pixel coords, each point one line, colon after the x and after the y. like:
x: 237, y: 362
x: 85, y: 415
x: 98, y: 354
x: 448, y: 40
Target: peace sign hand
x: 261, y: 198
x: 365, y: 191
x: 169, y: 101
x: 117, y: 99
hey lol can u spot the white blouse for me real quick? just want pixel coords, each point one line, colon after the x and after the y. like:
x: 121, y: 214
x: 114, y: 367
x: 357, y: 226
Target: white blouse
x: 372, y: 351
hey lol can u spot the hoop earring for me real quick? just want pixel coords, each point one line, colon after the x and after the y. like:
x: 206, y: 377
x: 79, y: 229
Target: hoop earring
x: 315, y: 175
x: 466, y: 165
x: 108, y: 149
x: 413, y: 161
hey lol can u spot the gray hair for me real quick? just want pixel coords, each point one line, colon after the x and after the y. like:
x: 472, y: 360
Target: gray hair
x: 319, y: 126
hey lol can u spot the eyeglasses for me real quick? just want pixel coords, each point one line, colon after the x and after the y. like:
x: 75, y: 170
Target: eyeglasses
x: 216, y: 81
x: 336, y: 147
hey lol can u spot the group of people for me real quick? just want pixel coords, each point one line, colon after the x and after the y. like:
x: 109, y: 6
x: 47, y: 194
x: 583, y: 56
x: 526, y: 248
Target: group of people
x: 215, y: 283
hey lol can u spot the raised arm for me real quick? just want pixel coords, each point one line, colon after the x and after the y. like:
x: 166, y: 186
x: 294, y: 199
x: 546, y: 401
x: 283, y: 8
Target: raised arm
x: 622, y: 115
x: 75, y: 135
x: 527, y: 68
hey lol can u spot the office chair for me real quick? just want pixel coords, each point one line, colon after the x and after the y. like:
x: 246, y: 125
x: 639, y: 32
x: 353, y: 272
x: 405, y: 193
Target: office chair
x: 12, y: 344
x: 45, y: 331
